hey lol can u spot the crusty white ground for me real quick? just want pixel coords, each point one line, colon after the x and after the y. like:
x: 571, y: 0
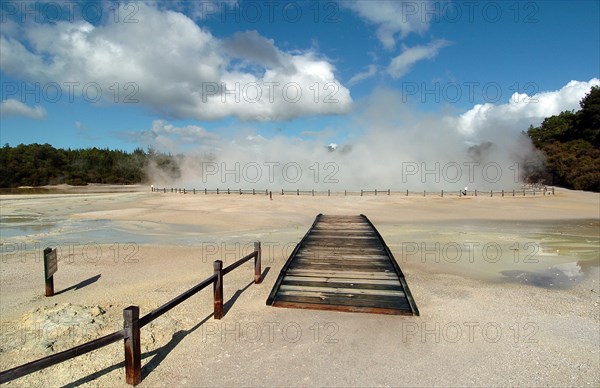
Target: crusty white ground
x: 470, y: 332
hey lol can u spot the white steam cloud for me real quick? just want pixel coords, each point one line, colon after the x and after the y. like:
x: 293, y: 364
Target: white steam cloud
x: 394, y: 146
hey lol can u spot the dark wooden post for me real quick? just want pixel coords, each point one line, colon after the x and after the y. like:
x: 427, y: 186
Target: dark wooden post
x: 503, y: 193
x: 328, y: 192
x: 228, y: 192
x: 313, y: 192
x: 553, y: 191
x: 257, y: 264
x: 165, y: 190
x: 50, y: 267
x: 133, y: 354
x: 345, y: 193
x: 388, y: 191
x: 205, y: 191
x: 281, y: 191
x: 194, y: 191
x: 442, y: 193
x: 271, y: 195
x: 476, y: 193
x: 253, y: 191
x: 523, y: 192
x: 534, y: 191
x: 424, y: 195
x: 217, y: 190
x: 361, y: 193
x: 240, y: 191
x: 375, y: 192
x: 407, y: 192
x: 218, y: 289
x: 297, y: 191
x: 491, y: 193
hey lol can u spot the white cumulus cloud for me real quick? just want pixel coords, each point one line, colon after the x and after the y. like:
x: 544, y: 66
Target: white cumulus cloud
x: 168, y: 62
x: 523, y: 110
x: 12, y: 107
x: 359, y: 77
x: 392, y: 17
x: 402, y: 64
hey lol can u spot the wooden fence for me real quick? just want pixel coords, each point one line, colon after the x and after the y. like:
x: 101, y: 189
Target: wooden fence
x: 132, y: 324
x: 529, y: 191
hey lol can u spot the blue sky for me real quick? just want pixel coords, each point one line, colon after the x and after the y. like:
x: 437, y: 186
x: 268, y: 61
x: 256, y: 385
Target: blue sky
x: 437, y: 58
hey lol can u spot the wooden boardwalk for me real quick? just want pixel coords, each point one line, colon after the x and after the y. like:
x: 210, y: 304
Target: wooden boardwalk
x: 343, y: 264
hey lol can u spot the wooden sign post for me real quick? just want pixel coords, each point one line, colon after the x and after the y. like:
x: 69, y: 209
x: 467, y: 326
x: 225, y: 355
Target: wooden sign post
x: 50, y: 267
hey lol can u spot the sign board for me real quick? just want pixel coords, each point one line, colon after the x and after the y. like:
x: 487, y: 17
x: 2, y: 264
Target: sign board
x: 50, y: 262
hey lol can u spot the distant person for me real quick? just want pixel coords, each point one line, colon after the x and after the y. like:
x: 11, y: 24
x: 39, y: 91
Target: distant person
x: 464, y: 192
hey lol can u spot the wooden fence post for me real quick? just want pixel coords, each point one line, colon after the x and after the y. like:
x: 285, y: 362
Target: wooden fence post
x: 361, y: 193
x: 407, y: 192
x: 442, y: 193
x: 270, y: 195
x: 133, y: 355
x: 329, y: 192
x: 388, y: 191
x: 50, y: 267
x: 218, y: 289
x: 297, y: 192
x: 217, y: 190
x: 476, y: 193
x: 313, y: 192
x: 424, y: 193
x: 503, y: 193
x: 228, y: 191
x: 240, y: 191
x: 281, y: 191
x: 345, y: 193
x: 257, y: 264
x: 253, y: 191
x: 553, y: 191
x: 375, y: 192
x: 491, y: 193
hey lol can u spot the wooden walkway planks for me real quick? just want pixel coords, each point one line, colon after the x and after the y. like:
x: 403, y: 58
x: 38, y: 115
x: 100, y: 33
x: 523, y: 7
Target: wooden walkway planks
x: 343, y: 264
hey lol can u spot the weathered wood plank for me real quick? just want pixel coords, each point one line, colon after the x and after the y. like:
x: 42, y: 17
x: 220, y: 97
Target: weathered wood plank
x: 369, y: 282
x: 344, y: 274
x: 351, y: 284
x: 285, y: 286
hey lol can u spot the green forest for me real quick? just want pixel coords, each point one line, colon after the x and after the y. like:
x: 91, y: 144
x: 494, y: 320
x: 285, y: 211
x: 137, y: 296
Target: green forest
x: 569, y: 143
x: 42, y: 164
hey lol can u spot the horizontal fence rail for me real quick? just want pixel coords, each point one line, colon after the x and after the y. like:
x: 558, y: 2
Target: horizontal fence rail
x: 53, y: 359
x: 521, y: 192
x: 132, y: 325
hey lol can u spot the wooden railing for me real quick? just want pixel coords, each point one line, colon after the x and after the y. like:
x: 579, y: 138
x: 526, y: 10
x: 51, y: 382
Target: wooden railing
x: 132, y: 324
x: 528, y: 191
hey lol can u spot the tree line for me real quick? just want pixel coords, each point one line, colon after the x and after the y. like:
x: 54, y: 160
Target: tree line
x: 42, y: 164
x: 570, y: 144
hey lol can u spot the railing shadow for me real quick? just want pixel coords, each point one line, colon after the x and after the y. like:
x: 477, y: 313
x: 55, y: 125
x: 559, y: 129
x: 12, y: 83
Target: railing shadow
x: 160, y: 354
x: 81, y: 284
x: 229, y: 304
